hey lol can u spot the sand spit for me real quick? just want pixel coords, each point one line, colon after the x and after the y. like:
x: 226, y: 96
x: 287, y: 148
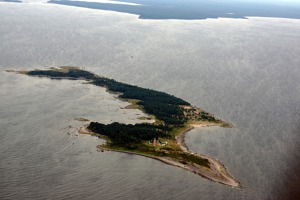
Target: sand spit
x: 85, y: 130
x: 217, y: 171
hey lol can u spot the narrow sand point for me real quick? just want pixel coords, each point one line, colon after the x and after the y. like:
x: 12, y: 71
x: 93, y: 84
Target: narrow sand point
x: 217, y: 171
x: 85, y: 130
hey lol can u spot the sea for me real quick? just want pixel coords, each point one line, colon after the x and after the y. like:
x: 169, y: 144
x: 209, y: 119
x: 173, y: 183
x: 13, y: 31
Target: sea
x: 244, y: 70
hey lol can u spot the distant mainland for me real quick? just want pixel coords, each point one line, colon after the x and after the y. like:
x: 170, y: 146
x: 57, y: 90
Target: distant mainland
x: 163, y: 139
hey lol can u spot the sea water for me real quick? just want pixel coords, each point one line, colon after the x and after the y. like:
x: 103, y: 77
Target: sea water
x: 244, y: 71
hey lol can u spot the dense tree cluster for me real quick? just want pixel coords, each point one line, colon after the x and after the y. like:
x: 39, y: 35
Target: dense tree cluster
x: 72, y: 73
x: 163, y: 106
x: 128, y: 134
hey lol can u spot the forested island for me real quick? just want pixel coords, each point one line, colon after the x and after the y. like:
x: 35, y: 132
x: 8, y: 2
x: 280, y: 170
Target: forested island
x: 162, y: 140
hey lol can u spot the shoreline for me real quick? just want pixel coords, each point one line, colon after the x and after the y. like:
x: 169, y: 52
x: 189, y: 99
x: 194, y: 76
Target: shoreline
x: 216, y: 173
x: 189, y: 117
x: 218, y: 167
x: 84, y: 130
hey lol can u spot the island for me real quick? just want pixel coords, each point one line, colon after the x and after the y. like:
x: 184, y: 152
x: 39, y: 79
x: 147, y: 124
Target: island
x: 163, y: 139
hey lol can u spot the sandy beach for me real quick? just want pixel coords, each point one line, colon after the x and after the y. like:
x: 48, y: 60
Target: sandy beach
x: 217, y: 171
x: 84, y: 130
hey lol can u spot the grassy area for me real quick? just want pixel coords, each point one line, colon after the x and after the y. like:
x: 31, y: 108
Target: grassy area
x: 145, y: 118
x: 81, y: 119
x: 170, y: 151
x: 133, y: 104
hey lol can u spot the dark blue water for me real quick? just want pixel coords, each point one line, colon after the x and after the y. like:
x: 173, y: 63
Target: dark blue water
x: 193, y: 9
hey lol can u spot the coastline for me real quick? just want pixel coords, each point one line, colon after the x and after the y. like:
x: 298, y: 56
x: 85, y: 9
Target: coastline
x: 216, y: 166
x: 84, y: 130
x: 217, y: 172
x: 187, y: 117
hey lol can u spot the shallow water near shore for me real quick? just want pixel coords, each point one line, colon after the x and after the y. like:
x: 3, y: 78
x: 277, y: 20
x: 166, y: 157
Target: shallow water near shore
x: 244, y: 71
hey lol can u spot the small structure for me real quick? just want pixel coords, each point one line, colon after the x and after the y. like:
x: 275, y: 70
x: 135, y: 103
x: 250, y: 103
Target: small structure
x: 164, y: 143
x: 154, y: 142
